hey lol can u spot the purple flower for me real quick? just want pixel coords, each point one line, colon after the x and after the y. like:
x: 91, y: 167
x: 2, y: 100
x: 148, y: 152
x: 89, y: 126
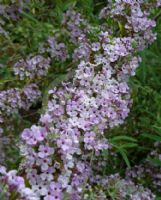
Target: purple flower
x: 34, y: 135
x: 45, y: 151
x: 64, y: 143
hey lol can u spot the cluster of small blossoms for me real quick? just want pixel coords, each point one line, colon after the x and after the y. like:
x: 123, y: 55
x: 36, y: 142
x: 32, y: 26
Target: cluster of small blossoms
x: 55, y: 49
x: 30, y: 95
x: 77, y: 26
x: 14, y: 9
x: 114, y: 186
x: 78, y: 29
x: 12, y: 100
x: 32, y: 67
x: 58, y: 151
x: 158, y: 3
x: 129, y: 68
x: 136, y: 21
x: 11, y: 12
x: 2, y: 13
x: 77, y: 115
x: 16, y: 184
x: 148, y: 170
x: 103, y: 187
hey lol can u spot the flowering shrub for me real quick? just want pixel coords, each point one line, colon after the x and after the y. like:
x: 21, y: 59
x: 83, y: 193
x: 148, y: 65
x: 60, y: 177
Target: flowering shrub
x: 62, y: 154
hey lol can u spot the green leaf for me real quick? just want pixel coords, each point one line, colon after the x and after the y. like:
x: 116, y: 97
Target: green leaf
x: 157, y: 129
x: 123, y: 137
x: 155, y: 161
x: 152, y: 137
x: 30, y: 17
x: 124, y: 155
x: 128, y: 145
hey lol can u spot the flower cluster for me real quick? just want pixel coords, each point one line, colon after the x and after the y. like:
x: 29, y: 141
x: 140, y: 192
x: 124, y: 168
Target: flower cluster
x: 15, y: 99
x: 136, y: 21
x: 17, y: 184
x: 55, y: 49
x: 119, y: 189
x: 11, y: 12
x: 77, y: 26
x: 32, y: 67
x: 58, y: 152
x: 148, y: 170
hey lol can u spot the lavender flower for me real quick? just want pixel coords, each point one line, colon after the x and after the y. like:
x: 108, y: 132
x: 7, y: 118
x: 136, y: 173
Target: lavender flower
x: 32, y: 67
